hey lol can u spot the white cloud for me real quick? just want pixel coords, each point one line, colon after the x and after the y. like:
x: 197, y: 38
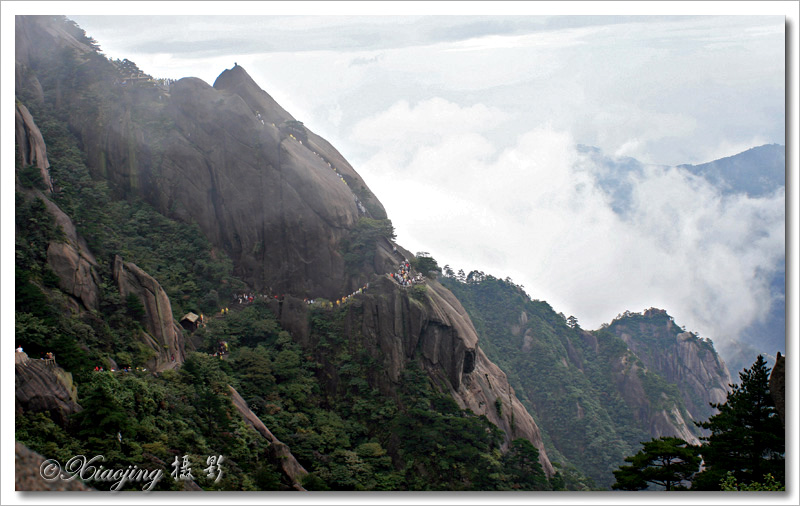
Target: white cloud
x: 532, y: 212
x: 465, y: 129
x: 426, y: 122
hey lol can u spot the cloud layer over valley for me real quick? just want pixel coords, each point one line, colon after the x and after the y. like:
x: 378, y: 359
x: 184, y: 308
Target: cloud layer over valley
x: 473, y: 132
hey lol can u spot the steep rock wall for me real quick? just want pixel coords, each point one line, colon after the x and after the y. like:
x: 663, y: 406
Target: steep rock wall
x: 395, y: 328
x: 679, y: 357
x: 163, y: 335
x: 662, y: 417
x: 30, y: 144
x: 225, y: 157
x: 44, y: 387
x: 73, y: 261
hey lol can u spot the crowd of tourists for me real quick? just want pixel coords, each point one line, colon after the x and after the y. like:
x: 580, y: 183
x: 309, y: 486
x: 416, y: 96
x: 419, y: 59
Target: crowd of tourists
x: 404, y: 276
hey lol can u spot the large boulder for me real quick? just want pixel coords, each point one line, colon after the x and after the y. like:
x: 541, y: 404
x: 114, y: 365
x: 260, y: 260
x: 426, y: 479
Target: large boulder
x: 162, y: 334
x: 28, y: 477
x: 44, y: 387
x: 72, y: 260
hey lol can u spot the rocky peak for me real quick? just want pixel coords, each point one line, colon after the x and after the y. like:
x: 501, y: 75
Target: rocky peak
x: 679, y: 357
x: 237, y: 81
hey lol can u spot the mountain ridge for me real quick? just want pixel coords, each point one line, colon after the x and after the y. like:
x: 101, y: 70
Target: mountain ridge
x: 202, y: 154
x: 314, y: 249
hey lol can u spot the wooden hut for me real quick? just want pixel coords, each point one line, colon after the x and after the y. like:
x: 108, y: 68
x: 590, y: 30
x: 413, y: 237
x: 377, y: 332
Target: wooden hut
x: 189, y: 321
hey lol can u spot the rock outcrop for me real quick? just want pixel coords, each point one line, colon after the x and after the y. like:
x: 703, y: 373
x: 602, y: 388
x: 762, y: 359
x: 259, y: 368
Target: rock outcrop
x: 479, y: 392
x: 679, y: 357
x: 162, y: 334
x: 777, y: 386
x: 30, y: 144
x: 278, y: 199
x: 395, y: 328
x: 661, y: 417
x: 73, y: 262
x: 27, y: 476
x: 44, y: 387
x: 278, y: 451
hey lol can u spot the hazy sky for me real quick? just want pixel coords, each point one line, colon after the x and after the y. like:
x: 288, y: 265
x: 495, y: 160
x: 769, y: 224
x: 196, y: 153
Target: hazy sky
x: 475, y: 120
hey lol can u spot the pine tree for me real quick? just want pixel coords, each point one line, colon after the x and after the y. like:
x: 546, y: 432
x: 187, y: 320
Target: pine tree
x: 747, y: 437
x: 523, y: 467
x: 666, y: 461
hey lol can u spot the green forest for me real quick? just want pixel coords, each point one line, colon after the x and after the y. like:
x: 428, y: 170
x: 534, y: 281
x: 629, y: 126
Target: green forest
x: 351, y: 437
x: 565, y: 379
x: 320, y: 396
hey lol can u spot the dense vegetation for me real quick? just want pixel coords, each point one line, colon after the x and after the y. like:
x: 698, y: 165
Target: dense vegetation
x: 320, y: 401
x: 744, y: 451
x: 360, y: 246
x: 563, y: 375
x: 747, y: 437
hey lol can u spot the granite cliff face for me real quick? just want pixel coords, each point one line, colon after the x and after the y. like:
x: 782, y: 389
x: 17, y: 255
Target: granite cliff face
x: 395, y: 328
x: 42, y: 386
x: 31, y: 149
x: 277, y: 198
x: 664, y: 417
x: 162, y: 335
x: 679, y: 357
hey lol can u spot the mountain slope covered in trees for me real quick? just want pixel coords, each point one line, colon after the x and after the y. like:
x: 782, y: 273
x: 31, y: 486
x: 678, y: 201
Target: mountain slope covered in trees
x: 168, y: 198
x: 308, y: 365
x: 596, y: 394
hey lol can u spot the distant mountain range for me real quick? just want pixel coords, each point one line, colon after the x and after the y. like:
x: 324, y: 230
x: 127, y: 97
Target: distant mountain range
x: 755, y: 173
